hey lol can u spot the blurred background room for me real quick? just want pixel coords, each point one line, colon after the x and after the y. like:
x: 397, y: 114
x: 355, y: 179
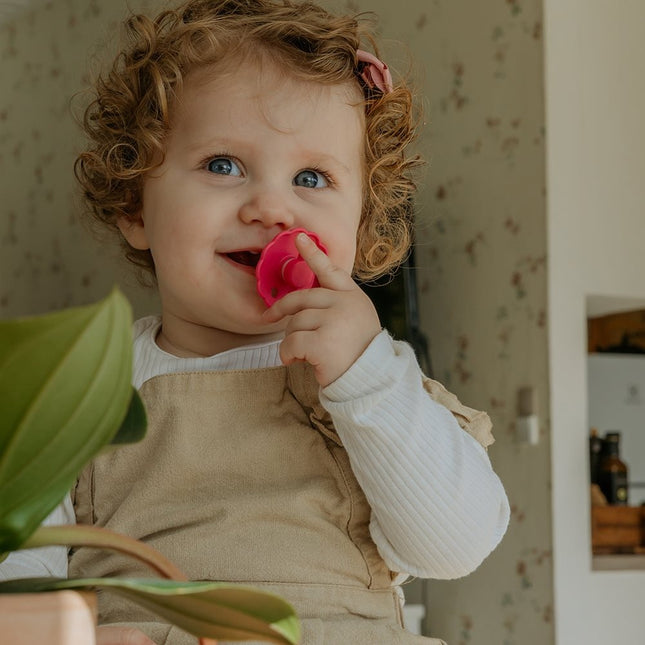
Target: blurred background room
x: 530, y: 220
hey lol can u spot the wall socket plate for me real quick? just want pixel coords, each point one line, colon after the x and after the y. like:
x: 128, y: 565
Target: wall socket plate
x: 527, y: 430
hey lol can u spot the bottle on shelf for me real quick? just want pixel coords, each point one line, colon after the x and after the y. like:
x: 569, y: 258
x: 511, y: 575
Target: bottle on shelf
x: 612, y: 474
x: 595, y: 455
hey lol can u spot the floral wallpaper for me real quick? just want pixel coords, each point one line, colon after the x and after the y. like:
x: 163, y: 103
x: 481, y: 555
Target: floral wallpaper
x: 481, y: 241
x: 48, y: 260
x: 481, y: 255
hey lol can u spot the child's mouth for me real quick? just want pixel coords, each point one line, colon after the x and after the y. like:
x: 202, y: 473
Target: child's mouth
x: 245, y: 258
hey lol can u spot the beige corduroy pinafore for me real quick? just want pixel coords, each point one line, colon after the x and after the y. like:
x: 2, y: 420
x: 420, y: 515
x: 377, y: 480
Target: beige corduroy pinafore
x: 242, y: 478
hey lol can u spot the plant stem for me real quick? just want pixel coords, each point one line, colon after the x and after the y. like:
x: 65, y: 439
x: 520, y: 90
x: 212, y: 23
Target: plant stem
x: 99, y: 537
x: 102, y: 538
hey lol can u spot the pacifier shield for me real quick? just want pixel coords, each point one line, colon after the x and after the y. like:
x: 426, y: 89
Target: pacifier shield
x: 281, y: 269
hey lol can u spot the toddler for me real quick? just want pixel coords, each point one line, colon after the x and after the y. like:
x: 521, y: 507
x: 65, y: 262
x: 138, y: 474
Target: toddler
x: 295, y: 447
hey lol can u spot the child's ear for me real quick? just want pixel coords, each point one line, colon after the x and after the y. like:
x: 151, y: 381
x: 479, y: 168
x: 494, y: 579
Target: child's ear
x: 133, y: 230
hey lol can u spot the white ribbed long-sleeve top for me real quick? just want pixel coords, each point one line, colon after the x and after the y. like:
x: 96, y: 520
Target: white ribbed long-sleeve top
x: 438, y: 508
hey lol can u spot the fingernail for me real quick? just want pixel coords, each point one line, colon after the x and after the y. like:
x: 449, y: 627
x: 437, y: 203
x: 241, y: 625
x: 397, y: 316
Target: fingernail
x: 304, y: 238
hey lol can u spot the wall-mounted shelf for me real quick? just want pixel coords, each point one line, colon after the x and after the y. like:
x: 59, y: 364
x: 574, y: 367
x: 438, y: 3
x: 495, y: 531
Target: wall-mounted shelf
x: 621, y: 562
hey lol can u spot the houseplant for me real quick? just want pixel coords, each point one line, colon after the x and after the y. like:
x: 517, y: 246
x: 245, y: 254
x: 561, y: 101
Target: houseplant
x: 65, y: 394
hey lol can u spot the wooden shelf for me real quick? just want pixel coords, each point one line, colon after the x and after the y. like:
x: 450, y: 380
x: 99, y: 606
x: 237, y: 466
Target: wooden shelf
x: 613, y: 330
x: 618, y: 530
x: 621, y: 562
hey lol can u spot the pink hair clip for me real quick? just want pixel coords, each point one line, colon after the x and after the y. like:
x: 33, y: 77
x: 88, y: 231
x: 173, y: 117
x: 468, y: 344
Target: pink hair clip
x: 375, y: 72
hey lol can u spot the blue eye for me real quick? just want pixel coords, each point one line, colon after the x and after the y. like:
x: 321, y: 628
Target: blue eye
x: 310, y: 179
x: 224, y: 166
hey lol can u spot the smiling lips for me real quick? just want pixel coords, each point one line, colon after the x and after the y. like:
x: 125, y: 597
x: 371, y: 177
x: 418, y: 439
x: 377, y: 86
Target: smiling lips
x: 245, y: 258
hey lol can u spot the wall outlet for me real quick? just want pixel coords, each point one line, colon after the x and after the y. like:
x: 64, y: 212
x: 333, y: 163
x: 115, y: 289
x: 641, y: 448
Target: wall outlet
x: 527, y: 430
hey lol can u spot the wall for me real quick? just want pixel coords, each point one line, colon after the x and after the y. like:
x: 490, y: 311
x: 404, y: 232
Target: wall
x: 595, y: 98
x: 47, y: 258
x: 481, y: 256
x: 481, y: 242
x: 482, y: 253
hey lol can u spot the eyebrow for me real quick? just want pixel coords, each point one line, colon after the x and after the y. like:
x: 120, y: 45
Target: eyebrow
x: 225, y: 145
x: 203, y: 146
x: 330, y: 159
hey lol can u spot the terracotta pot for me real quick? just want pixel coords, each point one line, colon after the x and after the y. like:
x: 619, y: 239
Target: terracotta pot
x: 55, y: 618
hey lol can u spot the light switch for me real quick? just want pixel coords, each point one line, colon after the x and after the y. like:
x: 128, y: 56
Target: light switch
x: 527, y: 425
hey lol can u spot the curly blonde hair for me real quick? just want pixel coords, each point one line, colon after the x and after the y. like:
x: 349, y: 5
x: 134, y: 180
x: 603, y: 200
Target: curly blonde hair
x: 130, y: 115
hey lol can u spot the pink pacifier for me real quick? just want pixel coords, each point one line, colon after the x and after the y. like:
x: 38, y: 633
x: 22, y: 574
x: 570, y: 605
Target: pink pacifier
x: 281, y: 269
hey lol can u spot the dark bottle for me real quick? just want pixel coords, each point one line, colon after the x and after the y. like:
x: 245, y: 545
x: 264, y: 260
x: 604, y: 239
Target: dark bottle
x: 595, y: 455
x: 612, y: 476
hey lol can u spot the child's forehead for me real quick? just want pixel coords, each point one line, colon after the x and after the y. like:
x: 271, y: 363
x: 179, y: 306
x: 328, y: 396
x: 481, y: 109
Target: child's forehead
x: 262, y: 70
x: 270, y: 88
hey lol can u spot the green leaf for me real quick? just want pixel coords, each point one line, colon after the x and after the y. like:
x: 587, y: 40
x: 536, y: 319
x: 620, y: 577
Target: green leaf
x: 134, y: 425
x: 205, y: 609
x: 64, y: 392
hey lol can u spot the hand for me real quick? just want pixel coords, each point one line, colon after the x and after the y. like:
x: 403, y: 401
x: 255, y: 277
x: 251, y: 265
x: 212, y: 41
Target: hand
x: 329, y: 326
x: 116, y: 635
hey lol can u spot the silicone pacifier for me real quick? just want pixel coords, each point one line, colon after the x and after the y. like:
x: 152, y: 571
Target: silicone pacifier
x: 281, y: 268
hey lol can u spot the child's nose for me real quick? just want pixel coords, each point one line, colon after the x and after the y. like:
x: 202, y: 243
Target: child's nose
x: 268, y: 209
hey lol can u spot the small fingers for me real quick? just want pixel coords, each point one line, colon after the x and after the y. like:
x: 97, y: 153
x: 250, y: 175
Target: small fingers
x: 296, y: 347
x: 306, y: 320
x: 297, y: 301
x: 329, y: 275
